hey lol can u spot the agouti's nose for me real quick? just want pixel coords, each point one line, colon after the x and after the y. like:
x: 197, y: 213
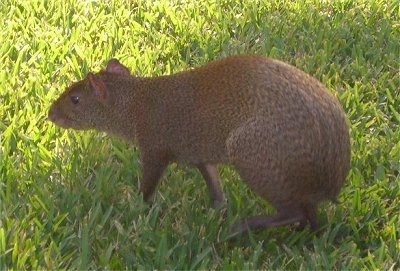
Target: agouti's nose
x: 53, y: 114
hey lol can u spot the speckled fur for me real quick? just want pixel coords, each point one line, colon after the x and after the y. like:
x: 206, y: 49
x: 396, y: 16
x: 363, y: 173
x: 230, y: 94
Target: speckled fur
x: 284, y: 132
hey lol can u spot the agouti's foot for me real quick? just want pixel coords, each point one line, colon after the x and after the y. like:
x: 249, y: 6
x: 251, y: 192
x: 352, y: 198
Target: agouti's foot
x: 220, y: 205
x: 149, y: 199
x: 255, y: 223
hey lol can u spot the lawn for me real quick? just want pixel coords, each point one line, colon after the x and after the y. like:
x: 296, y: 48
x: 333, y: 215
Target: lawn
x: 69, y: 200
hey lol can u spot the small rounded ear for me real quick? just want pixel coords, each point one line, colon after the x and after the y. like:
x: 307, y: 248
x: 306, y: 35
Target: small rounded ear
x: 98, y: 86
x: 114, y: 66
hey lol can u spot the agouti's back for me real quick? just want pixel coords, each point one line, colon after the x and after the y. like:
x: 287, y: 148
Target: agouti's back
x: 284, y: 132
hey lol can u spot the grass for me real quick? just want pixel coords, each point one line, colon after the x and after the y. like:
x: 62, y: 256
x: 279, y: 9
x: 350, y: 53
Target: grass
x: 69, y: 200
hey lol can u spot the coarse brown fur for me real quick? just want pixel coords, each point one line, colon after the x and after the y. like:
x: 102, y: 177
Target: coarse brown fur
x: 283, y: 131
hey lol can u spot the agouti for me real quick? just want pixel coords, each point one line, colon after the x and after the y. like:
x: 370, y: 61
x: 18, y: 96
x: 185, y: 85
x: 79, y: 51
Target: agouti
x: 283, y: 131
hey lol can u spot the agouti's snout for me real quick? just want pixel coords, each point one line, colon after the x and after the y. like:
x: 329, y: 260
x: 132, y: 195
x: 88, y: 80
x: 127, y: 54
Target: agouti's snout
x: 55, y: 115
x: 52, y: 115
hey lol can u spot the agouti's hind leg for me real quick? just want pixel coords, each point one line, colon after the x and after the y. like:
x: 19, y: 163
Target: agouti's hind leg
x: 303, y: 216
x: 211, y: 177
x: 310, y: 212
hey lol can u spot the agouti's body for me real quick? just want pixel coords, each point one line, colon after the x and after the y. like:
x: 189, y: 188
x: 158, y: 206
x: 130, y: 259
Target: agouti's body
x: 283, y: 131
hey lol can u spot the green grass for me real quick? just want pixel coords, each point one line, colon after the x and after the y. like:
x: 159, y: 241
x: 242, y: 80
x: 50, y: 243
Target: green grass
x: 69, y: 200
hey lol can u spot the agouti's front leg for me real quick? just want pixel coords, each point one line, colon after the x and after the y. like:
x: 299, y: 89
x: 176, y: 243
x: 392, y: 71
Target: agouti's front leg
x: 153, y: 168
x: 211, y: 176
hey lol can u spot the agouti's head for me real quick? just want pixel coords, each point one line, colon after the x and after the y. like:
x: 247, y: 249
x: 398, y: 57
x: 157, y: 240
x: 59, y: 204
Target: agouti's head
x: 87, y: 104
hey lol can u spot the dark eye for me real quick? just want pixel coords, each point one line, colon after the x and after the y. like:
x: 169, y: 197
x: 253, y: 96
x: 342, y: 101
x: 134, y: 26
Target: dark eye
x: 75, y: 99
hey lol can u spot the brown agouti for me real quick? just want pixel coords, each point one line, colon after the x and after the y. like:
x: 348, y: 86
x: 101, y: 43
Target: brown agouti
x: 282, y: 130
